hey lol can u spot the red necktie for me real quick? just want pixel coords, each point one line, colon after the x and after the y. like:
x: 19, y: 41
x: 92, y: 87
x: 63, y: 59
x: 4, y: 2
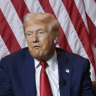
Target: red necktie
x: 45, y: 89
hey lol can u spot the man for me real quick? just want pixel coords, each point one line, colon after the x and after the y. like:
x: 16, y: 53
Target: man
x: 64, y: 73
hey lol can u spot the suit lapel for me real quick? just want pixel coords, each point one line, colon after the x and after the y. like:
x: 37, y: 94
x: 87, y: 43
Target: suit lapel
x: 65, y: 71
x: 29, y: 74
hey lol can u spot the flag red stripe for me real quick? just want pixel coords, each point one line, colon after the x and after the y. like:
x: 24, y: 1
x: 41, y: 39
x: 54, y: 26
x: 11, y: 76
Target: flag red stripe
x: 7, y: 35
x: 20, y: 8
x: 79, y: 27
x: 63, y: 41
x: 92, y: 31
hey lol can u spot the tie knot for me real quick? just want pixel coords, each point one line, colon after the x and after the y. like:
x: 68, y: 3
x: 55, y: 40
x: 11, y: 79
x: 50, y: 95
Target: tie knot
x: 43, y: 64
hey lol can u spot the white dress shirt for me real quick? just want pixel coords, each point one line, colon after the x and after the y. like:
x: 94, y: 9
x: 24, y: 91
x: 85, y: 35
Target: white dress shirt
x: 52, y: 72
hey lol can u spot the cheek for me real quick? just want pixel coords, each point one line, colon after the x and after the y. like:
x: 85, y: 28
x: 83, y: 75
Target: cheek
x: 29, y: 41
x: 47, y: 43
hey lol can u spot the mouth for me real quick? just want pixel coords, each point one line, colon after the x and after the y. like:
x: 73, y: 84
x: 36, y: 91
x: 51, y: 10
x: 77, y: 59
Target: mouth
x: 36, y: 47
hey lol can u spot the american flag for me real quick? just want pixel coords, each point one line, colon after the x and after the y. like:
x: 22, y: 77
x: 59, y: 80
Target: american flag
x: 76, y: 18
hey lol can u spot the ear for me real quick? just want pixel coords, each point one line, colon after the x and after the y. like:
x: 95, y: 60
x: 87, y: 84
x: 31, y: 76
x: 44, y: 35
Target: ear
x: 56, y: 40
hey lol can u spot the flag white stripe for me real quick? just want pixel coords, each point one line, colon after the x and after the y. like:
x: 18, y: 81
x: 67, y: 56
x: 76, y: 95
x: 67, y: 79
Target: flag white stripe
x: 63, y: 18
x: 68, y: 28
x: 92, y: 75
x: 94, y: 52
x: 90, y: 7
x: 0, y: 4
x: 34, y: 6
x: 70, y: 32
x: 81, y: 9
x: 3, y: 49
x: 14, y: 22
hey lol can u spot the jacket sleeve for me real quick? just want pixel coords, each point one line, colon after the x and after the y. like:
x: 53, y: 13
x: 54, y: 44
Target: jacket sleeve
x: 86, y: 82
x: 5, y: 82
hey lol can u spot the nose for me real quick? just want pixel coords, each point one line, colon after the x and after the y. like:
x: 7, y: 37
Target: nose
x: 35, y: 37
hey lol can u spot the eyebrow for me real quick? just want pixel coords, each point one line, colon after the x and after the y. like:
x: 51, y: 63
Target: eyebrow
x: 38, y: 30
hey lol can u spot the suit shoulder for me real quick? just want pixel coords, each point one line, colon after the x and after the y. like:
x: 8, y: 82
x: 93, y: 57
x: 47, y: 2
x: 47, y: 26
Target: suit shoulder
x: 18, y: 54
x: 64, y: 54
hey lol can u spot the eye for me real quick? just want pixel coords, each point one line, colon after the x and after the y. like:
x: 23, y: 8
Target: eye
x: 41, y: 32
x: 29, y: 34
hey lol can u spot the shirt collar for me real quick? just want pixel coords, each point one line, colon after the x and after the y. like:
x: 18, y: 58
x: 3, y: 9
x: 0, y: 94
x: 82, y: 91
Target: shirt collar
x: 51, y: 62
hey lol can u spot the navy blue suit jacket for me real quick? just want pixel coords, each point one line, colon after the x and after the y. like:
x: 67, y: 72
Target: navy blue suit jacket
x: 17, y: 74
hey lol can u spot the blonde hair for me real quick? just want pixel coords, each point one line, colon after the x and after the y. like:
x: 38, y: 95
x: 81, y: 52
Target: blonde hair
x: 45, y: 19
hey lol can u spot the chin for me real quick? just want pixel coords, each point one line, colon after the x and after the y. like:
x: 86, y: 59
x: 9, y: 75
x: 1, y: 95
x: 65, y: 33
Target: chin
x: 40, y: 57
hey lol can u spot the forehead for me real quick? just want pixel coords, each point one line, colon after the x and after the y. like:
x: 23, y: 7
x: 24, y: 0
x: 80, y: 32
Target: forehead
x: 35, y: 27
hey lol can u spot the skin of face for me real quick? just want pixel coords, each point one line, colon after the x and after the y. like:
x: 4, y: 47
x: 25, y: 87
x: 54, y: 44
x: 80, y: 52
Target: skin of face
x: 41, y: 42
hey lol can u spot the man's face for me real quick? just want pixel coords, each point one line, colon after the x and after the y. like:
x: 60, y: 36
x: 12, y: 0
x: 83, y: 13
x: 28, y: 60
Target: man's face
x: 41, y: 42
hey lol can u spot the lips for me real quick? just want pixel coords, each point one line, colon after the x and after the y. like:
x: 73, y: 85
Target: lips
x: 36, y: 46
